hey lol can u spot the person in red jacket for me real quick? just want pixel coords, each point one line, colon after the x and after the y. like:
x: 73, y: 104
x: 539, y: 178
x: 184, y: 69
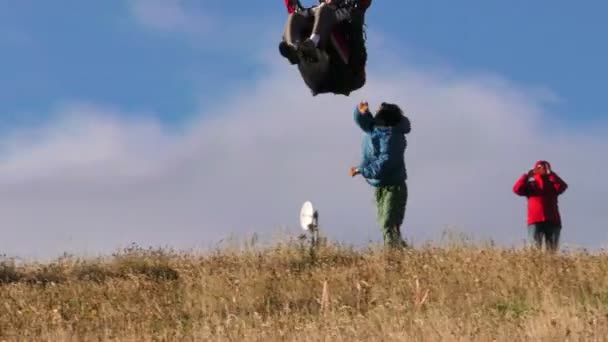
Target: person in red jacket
x: 542, y: 186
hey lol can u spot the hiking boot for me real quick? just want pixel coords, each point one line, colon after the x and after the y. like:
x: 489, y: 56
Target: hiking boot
x: 289, y: 51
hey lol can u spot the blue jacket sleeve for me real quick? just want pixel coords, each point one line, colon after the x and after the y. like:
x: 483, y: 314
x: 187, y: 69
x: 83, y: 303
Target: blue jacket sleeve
x: 377, y: 167
x: 365, y: 121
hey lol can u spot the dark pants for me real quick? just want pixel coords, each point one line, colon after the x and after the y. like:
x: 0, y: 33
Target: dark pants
x: 319, y: 20
x: 547, y: 231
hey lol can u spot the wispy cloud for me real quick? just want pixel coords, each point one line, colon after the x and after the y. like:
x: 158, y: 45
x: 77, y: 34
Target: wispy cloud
x: 173, y: 16
x: 210, y: 27
x: 81, y: 145
x: 93, y: 181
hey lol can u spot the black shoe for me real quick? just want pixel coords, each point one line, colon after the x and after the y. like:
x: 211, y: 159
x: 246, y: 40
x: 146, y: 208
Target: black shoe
x: 289, y: 51
x: 308, y: 50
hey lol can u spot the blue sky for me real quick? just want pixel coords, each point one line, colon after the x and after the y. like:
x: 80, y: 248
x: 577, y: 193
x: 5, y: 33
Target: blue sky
x: 155, y: 121
x: 96, y: 50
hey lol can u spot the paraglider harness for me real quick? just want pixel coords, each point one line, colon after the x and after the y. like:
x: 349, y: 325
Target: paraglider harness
x: 347, y: 53
x: 348, y: 37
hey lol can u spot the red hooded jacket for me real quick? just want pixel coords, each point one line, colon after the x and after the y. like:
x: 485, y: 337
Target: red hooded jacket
x: 542, y: 192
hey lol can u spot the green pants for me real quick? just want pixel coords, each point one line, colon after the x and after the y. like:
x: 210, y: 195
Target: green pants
x: 390, y: 202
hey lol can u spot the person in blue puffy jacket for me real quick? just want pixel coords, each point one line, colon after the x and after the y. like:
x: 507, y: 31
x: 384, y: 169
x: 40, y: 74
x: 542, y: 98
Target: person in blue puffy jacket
x: 383, y: 165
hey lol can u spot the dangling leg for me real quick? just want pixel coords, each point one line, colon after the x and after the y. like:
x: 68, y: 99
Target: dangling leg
x: 326, y: 16
x: 297, y: 22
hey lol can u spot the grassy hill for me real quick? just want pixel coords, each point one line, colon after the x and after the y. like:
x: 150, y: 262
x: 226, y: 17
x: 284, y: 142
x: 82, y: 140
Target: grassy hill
x: 286, y: 292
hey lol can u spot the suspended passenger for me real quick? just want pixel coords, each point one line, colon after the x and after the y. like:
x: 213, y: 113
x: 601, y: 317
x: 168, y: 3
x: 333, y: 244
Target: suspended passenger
x: 327, y: 44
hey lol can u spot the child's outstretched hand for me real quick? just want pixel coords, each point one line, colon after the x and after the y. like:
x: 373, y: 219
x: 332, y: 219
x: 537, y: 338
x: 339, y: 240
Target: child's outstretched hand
x: 353, y: 171
x: 363, y: 107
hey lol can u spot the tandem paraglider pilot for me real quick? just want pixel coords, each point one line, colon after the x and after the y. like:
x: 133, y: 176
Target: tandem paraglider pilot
x: 542, y: 187
x: 327, y: 43
x: 383, y: 165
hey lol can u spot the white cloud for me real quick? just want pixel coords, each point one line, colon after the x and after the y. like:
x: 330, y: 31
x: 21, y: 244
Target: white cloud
x: 211, y: 26
x: 94, y: 181
x: 172, y: 16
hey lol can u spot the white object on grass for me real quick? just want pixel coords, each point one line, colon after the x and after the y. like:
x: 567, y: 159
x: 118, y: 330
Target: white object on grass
x: 308, y: 216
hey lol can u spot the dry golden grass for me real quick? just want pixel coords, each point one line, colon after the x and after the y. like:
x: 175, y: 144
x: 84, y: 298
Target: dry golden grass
x: 452, y: 293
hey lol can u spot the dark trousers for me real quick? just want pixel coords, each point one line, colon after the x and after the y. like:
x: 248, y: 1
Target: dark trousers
x: 547, y: 232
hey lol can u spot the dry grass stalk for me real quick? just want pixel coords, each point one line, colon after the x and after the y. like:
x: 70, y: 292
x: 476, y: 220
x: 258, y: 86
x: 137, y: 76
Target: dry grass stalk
x: 420, y: 298
x: 324, y: 298
x: 460, y: 292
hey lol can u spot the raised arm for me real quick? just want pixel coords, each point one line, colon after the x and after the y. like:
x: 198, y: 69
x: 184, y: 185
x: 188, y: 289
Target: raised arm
x: 364, y: 120
x: 558, y: 184
x: 522, y: 187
